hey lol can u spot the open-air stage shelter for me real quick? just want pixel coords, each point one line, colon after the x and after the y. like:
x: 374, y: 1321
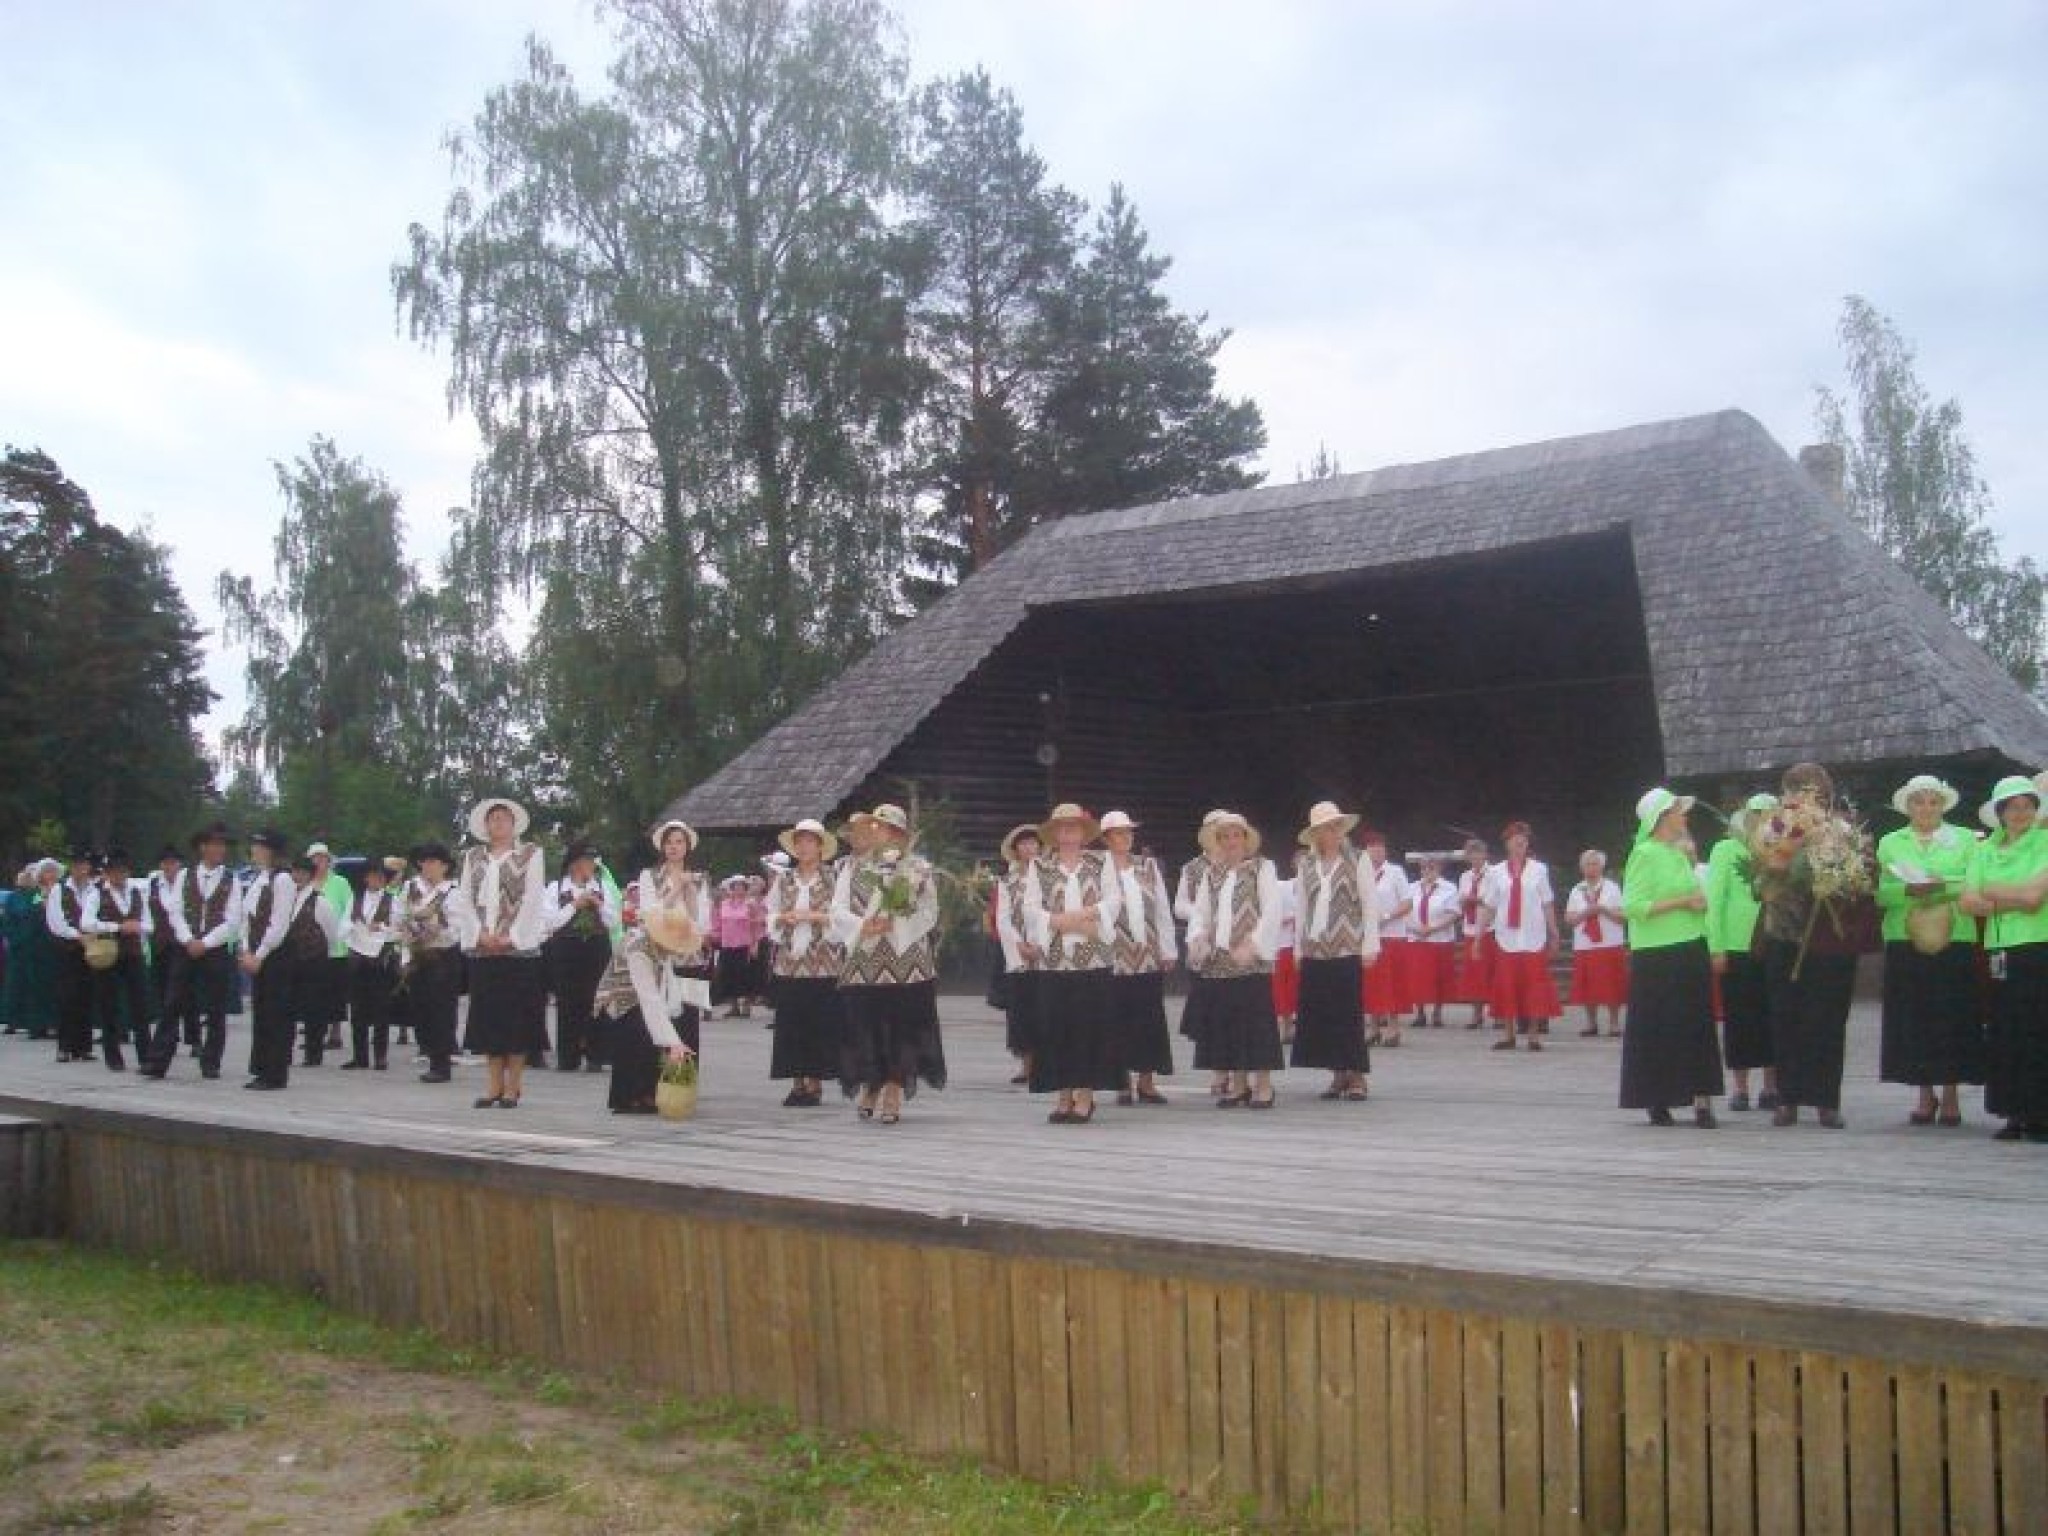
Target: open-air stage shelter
x: 1486, y: 1300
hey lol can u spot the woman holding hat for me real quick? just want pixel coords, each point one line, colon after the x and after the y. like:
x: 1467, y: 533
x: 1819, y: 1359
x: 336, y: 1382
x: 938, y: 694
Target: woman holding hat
x: 1338, y: 936
x: 500, y: 913
x: 1519, y: 912
x: 1732, y: 912
x: 1933, y: 1012
x: 655, y: 984
x: 1233, y: 933
x: 430, y: 978
x: 2007, y: 888
x: 1070, y: 911
x: 582, y: 911
x: 1020, y: 850
x: 885, y: 915
x: 1142, y: 951
x: 808, y: 1013
x: 1668, y: 1055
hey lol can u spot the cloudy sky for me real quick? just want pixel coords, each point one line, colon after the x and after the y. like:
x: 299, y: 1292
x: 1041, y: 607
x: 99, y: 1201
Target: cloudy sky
x: 1433, y: 226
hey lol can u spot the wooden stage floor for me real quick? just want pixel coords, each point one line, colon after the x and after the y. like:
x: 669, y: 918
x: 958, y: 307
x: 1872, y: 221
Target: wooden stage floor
x: 1463, y: 1160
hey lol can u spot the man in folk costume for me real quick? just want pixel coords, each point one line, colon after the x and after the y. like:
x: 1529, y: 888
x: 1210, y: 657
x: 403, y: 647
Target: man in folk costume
x: 430, y: 979
x: 204, y: 913
x: 1233, y: 935
x: 1070, y: 908
x: 581, y: 914
x: 1143, y: 950
x: 654, y: 992
x: 809, y: 1017
x: 1197, y: 877
x: 1386, y: 984
x: 1519, y: 910
x: 500, y: 913
x: 118, y: 909
x: 1475, y: 951
x: 159, y: 890
x: 1020, y: 850
x: 1338, y: 939
x: 271, y: 902
x: 885, y: 913
x: 1599, y: 928
x: 63, y: 913
x: 1433, y: 922
x: 370, y: 934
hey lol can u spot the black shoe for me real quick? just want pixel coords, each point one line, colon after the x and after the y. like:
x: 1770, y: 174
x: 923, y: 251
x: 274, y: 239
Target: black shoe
x: 263, y: 1085
x: 117, y: 1066
x: 437, y: 1075
x: 211, y: 1074
x: 2013, y: 1131
x: 354, y: 1066
x: 1660, y: 1116
x: 1767, y: 1101
x: 487, y: 1102
x: 795, y: 1099
x: 1738, y: 1102
x: 1705, y: 1119
x: 152, y: 1071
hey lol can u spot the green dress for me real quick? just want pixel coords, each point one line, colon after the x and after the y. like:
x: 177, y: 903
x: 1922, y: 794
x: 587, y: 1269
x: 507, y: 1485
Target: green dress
x: 28, y: 1001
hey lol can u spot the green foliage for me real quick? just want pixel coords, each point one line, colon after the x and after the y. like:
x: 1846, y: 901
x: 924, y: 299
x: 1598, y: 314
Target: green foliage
x: 1911, y: 481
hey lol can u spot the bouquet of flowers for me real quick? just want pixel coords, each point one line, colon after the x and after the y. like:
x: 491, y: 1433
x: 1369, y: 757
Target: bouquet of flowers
x: 1810, y: 855
x: 898, y: 895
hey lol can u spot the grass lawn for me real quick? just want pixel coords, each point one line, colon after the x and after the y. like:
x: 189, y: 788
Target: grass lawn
x: 137, y: 1398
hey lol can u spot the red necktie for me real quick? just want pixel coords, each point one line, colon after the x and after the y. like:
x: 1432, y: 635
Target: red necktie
x: 1515, y: 896
x: 1593, y: 915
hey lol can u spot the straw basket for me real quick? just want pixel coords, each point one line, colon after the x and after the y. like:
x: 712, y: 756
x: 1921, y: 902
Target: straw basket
x: 1930, y: 927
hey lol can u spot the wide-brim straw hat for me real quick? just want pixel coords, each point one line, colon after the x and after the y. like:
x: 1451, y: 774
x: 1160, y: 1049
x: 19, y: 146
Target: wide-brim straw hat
x: 1760, y: 804
x: 1653, y: 807
x: 828, y: 844
x: 1066, y: 810
x: 2011, y: 787
x: 893, y: 817
x: 480, y: 812
x: 1007, y: 848
x: 1213, y: 826
x: 1925, y: 783
x: 1322, y: 814
x: 673, y: 824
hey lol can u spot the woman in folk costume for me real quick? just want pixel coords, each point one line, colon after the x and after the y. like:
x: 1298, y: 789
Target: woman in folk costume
x: 371, y: 935
x: 1600, y: 951
x: 1669, y: 1057
x: 1475, y: 946
x: 1519, y: 911
x: 761, y: 965
x: 500, y: 912
x: 118, y: 908
x: 809, y: 1017
x: 885, y: 915
x: 655, y: 989
x: 1197, y: 876
x: 1933, y: 1032
x: 269, y: 902
x: 1339, y: 940
x: 1070, y: 908
x: 1021, y: 958
x: 1433, y: 922
x: 582, y: 911
x: 1232, y: 935
x: 2006, y: 889
x: 31, y: 961
x: 1732, y: 912
x: 1386, y: 984
x: 63, y: 911
x: 1143, y: 950
x: 430, y: 973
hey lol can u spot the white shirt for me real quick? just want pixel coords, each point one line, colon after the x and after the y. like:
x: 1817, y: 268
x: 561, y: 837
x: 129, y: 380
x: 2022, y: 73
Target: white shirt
x: 1606, y: 899
x: 1390, y: 888
x: 419, y: 896
x: 562, y: 908
x: 1038, y: 920
x: 1444, y: 914
x: 1290, y: 912
x: 366, y: 936
x: 206, y: 880
x: 1532, y: 933
x: 94, y: 921
x: 906, y: 931
x: 1469, y: 884
x: 284, y: 900
x: 1009, y: 922
x: 53, y: 908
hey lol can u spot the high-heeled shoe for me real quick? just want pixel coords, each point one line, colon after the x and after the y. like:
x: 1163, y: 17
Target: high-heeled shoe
x: 1234, y: 1100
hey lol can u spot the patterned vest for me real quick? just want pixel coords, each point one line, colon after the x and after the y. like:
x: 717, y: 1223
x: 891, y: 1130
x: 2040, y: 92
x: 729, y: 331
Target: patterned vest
x: 426, y: 916
x: 1235, y: 926
x: 159, y: 913
x: 1013, y: 893
x: 304, y: 937
x: 821, y: 958
x: 1073, y: 951
x: 124, y: 908
x: 201, y: 918
x: 1343, y: 933
x: 1138, y: 946
x: 258, y: 925
x: 72, y: 905
x: 476, y: 868
x: 876, y: 962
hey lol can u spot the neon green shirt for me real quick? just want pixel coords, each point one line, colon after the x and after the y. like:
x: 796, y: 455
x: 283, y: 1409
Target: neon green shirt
x: 2001, y: 862
x: 341, y: 896
x: 1947, y: 857
x: 1732, y: 907
x: 1659, y: 872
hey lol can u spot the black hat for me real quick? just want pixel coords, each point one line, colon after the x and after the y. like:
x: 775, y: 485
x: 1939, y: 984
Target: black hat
x: 303, y: 862
x: 169, y: 851
x: 85, y: 856
x: 421, y: 852
x: 216, y: 833
x: 269, y: 838
x: 116, y: 857
x: 579, y: 851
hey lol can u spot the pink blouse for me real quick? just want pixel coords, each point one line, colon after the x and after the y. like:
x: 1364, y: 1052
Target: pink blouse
x: 735, y: 923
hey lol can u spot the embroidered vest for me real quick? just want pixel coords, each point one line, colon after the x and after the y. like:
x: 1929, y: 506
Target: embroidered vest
x: 1235, y: 926
x: 1137, y: 946
x: 1073, y: 951
x: 876, y: 961
x: 1343, y: 932
x: 202, y: 917
x: 476, y: 868
x: 258, y: 925
x: 820, y: 958
x: 125, y: 908
x: 426, y: 917
x: 72, y: 905
x: 159, y: 911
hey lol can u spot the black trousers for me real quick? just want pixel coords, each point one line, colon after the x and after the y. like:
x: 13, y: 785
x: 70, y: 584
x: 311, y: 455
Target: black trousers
x: 427, y: 1004
x: 369, y: 1007
x: 270, y: 1003
x: 120, y: 1004
x: 575, y: 965
x: 163, y: 963
x: 74, y: 998
x: 199, y: 989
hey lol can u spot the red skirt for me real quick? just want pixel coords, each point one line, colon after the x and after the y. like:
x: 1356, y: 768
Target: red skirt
x: 1522, y: 988
x: 1286, y: 984
x: 1475, y: 972
x: 1432, y: 973
x: 1385, y: 984
x: 1600, y: 977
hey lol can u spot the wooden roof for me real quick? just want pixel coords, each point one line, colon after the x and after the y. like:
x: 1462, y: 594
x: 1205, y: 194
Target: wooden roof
x: 1777, y: 630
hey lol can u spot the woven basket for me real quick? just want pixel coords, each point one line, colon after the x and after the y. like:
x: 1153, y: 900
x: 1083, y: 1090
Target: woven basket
x: 675, y: 1101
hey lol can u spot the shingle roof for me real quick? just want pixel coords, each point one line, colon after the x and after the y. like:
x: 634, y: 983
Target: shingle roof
x: 1777, y: 630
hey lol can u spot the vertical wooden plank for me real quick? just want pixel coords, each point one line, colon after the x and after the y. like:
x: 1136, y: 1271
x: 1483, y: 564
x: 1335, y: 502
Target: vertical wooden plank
x: 950, y: 1399
x: 1602, y: 1431
x: 1112, y: 1370
x: 1301, y: 1404
x: 913, y: 1335
x: 1872, y: 1444
x: 1234, y: 1346
x: 1732, y: 1415
x: 1642, y: 1407
x: 1446, y: 1408
x: 1972, y: 1440
x: 1141, y: 1298
x: 1205, y: 1392
x: 999, y: 1416
x: 1823, y: 1475
x: 1055, y: 1379
x: 1175, y: 1443
x: 1372, y: 1368
x: 1408, y: 1401
x: 1269, y: 1399
x: 1525, y: 1410
x: 1922, y: 1454
x: 1688, y: 1452
x: 1483, y: 1431
x: 1336, y: 1466
x: 1025, y: 1364
x: 1084, y: 1345
x: 1778, y: 1501
x: 2023, y: 1454
x: 849, y: 1329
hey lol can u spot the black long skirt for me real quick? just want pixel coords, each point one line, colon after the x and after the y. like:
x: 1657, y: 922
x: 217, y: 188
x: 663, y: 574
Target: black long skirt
x: 892, y: 1036
x: 1329, y: 1028
x: 508, y: 1001
x: 1745, y: 1026
x: 1933, y: 1016
x: 809, y: 1020
x: 1669, y: 1055
x: 1144, y: 1041
x: 1020, y: 1012
x: 733, y: 980
x: 636, y: 1059
x: 1809, y: 1022
x: 1239, y: 1030
x: 1077, y: 1043
x: 2016, y: 1065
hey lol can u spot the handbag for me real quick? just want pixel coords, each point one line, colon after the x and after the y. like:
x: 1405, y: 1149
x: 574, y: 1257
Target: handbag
x: 101, y: 951
x: 1930, y: 927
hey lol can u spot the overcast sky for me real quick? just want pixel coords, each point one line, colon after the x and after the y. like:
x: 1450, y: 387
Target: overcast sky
x: 1432, y: 227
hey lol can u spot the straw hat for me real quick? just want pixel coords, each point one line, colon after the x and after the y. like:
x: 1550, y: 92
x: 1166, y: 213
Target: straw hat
x: 481, y: 811
x: 660, y: 834
x: 1321, y: 814
x: 1925, y: 783
x: 1118, y: 821
x: 1652, y: 808
x: 2011, y: 787
x: 1214, y: 823
x: 1756, y: 805
x: 1066, y: 810
x: 828, y: 845
x: 1008, y: 846
x: 893, y: 817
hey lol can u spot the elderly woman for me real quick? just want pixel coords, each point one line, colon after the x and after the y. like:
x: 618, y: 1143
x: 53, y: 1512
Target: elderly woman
x: 1233, y: 934
x: 1143, y: 951
x: 1338, y: 937
x: 1732, y: 912
x: 499, y: 911
x: 806, y: 966
x: 2007, y: 887
x: 885, y: 916
x: 1933, y: 1013
x: 1071, y: 902
x: 1668, y: 1056
x: 1518, y: 910
x: 1593, y: 912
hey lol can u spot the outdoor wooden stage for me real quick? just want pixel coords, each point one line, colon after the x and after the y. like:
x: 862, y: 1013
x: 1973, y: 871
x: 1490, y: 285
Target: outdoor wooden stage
x: 1485, y: 1300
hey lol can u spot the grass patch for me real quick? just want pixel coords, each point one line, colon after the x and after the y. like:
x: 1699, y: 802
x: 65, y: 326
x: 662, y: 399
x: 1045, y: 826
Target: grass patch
x: 134, y: 1511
